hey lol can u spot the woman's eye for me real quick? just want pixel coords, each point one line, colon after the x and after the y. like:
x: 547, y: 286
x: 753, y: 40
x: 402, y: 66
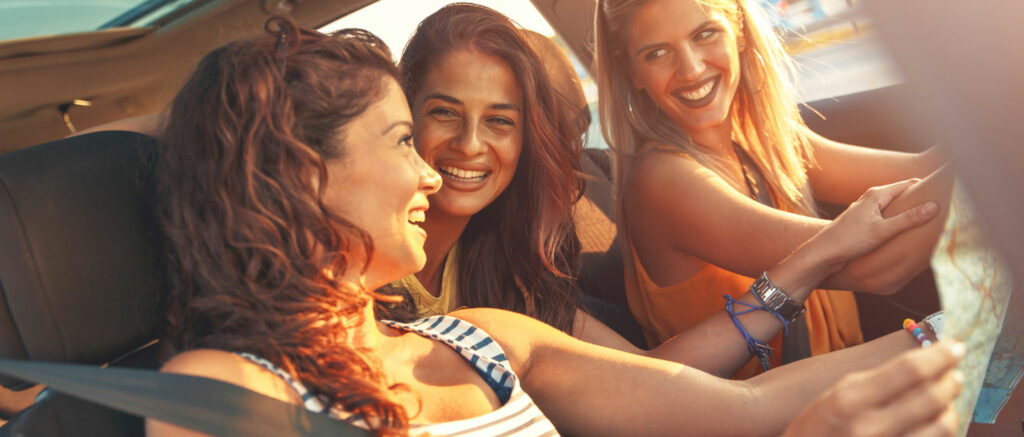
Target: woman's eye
x: 503, y: 121
x: 705, y: 34
x: 406, y: 141
x: 655, y: 54
x: 443, y: 113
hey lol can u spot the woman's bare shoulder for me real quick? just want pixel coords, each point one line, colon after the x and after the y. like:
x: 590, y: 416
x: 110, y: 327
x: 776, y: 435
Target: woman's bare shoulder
x: 655, y: 182
x: 517, y: 334
x: 223, y: 366
x: 657, y: 165
x: 496, y: 322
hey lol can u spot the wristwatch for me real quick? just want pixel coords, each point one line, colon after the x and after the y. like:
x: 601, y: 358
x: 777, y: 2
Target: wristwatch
x: 935, y: 322
x: 774, y: 299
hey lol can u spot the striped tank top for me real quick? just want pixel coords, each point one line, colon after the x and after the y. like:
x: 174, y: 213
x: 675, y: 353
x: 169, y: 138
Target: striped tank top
x: 518, y: 415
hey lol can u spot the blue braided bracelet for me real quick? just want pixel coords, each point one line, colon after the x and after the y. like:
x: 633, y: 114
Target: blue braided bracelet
x: 757, y: 348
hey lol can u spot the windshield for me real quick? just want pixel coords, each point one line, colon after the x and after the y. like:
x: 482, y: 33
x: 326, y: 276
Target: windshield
x: 30, y: 18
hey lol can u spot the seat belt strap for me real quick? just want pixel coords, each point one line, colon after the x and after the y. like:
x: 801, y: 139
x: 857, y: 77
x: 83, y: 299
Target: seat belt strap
x: 202, y: 404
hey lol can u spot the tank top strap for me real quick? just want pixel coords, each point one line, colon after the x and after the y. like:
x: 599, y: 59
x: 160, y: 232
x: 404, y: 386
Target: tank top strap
x: 310, y: 400
x: 473, y: 344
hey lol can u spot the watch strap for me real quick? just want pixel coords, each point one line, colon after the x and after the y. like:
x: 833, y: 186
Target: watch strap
x: 774, y: 299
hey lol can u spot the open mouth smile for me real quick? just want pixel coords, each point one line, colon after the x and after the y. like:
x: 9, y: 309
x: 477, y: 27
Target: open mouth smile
x: 417, y: 216
x: 699, y: 95
x: 462, y: 175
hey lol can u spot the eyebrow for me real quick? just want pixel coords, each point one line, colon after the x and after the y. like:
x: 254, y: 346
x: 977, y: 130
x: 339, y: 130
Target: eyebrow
x: 397, y: 124
x: 444, y: 97
x: 647, y: 47
x: 454, y: 101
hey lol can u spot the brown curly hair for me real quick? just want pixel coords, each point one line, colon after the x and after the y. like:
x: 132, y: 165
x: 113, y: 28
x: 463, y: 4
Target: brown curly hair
x: 521, y: 252
x: 249, y: 237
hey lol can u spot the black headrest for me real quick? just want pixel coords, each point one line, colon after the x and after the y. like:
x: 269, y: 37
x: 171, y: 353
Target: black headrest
x: 79, y: 249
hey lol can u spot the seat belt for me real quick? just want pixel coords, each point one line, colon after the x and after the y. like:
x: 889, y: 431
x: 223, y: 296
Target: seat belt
x: 202, y: 404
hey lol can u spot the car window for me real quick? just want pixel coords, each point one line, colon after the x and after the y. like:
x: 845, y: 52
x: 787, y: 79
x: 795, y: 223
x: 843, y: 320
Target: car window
x: 26, y: 19
x: 394, y: 21
x: 834, y: 46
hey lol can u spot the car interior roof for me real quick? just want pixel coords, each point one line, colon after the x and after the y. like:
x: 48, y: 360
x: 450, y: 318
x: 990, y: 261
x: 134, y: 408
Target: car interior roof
x: 124, y: 72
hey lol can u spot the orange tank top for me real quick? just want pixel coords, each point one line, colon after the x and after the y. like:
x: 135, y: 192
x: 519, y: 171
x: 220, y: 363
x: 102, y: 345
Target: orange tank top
x: 832, y: 321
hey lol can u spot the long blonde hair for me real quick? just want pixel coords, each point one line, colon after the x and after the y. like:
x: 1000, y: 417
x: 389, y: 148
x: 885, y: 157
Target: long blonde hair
x: 764, y: 116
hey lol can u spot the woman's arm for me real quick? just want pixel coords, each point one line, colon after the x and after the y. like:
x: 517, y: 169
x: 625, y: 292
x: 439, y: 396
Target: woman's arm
x: 590, y: 390
x: 679, y: 215
x: 676, y: 212
x: 911, y: 394
x: 843, y: 171
x: 716, y: 346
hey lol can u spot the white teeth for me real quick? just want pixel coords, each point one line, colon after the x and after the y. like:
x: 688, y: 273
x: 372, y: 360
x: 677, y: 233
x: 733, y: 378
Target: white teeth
x: 464, y: 175
x: 417, y: 216
x: 698, y: 93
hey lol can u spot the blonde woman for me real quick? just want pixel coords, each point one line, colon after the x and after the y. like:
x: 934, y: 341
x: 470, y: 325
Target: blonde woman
x: 718, y: 176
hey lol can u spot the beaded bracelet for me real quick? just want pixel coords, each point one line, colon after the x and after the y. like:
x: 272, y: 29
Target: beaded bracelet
x: 916, y: 331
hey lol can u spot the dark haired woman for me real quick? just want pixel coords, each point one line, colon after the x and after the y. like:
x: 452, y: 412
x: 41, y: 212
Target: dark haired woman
x: 507, y: 146
x: 497, y: 117
x: 291, y: 191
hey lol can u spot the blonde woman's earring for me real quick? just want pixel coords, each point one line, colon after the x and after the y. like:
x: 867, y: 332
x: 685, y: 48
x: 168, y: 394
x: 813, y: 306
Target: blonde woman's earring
x: 629, y: 107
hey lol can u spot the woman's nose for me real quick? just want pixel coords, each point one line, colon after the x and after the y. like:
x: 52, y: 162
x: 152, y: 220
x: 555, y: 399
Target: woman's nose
x: 689, y: 64
x: 469, y: 142
x: 430, y: 179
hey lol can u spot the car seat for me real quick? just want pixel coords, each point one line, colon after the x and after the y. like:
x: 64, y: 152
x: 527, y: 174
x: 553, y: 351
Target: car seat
x: 79, y: 270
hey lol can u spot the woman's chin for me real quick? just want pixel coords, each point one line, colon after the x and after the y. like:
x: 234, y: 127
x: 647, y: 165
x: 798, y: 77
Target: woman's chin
x: 421, y: 261
x: 382, y: 272
x: 414, y: 264
x: 458, y: 208
x: 459, y: 204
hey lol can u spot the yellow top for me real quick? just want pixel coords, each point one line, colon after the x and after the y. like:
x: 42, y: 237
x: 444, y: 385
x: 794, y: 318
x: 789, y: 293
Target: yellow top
x: 428, y: 304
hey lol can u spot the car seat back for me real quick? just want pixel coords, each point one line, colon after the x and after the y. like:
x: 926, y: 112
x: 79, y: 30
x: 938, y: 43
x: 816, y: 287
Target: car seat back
x: 80, y: 271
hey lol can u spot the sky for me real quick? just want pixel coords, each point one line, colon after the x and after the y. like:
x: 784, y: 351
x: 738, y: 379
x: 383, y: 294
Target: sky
x: 396, y: 28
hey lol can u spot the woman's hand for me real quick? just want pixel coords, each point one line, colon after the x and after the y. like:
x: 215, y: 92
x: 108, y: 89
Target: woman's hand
x: 911, y: 394
x: 862, y: 228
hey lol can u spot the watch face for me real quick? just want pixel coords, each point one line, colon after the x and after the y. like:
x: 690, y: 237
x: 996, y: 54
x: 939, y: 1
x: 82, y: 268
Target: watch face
x: 936, y: 321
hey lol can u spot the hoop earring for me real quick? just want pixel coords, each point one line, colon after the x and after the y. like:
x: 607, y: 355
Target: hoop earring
x: 629, y: 108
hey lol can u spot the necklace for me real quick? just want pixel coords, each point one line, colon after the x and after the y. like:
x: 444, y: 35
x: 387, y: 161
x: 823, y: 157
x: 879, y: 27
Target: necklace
x: 753, y: 178
x: 742, y: 158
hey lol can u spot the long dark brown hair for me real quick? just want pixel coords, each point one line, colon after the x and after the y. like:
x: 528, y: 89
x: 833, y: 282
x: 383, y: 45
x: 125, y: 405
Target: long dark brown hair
x: 520, y: 252
x: 249, y: 236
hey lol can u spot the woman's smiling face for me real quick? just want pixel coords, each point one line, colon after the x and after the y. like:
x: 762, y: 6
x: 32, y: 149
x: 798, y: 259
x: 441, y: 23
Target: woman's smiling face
x: 381, y: 185
x: 685, y: 56
x: 468, y: 126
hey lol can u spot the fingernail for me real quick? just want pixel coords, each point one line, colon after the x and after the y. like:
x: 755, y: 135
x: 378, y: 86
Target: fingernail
x: 958, y: 376
x: 929, y: 208
x: 958, y: 349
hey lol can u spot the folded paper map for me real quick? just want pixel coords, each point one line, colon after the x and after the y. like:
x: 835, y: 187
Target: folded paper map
x: 975, y: 289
